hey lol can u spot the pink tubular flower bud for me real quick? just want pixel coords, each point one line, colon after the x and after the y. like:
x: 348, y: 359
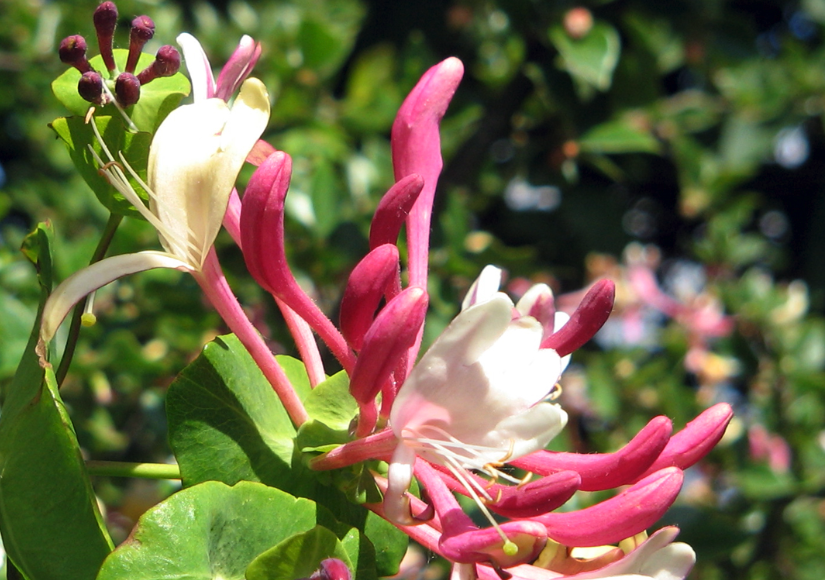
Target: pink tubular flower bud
x: 627, y: 514
x: 694, y: 441
x: 393, y: 210
x: 127, y: 89
x: 416, y: 148
x: 143, y: 29
x: 72, y: 51
x: 392, y: 333
x: 586, y: 321
x: 367, y: 285
x: 262, y: 240
x: 105, y: 19
x: 166, y: 63
x: 237, y: 68
x: 600, y: 471
x: 90, y: 87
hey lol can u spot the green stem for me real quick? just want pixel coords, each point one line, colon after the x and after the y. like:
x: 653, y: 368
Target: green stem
x: 74, y: 327
x: 126, y: 469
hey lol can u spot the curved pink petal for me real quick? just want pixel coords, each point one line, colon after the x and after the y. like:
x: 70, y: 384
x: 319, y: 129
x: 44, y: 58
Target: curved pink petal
x: 606, y: 470
x: 534, y: 498
x: 694, y: 441
x: 632, y: 511
x: 585, y: 322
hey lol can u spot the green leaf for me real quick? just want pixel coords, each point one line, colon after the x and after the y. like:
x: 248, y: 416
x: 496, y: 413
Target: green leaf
x: 227, y: 424
x: 298, y: 556
x: 49, y: 519
x: 331, y: 404
x: 619, y: 136
x: 37, y: 249
x: 213, y: 531
x: 592, y: 59
x: 78, y: 135
x: 157, y: 99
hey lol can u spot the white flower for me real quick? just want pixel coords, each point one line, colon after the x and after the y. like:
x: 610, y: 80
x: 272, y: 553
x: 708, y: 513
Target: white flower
x: 476, y: 399
x: 194, y: 160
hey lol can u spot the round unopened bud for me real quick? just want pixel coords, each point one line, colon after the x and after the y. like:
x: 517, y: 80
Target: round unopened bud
x: 90, y: 87
x: 143, y: 29
x: 578, y: 22
x: 166, y: 63
x: 105, y: 19
x: 127, y: 89
x: 72, y: 51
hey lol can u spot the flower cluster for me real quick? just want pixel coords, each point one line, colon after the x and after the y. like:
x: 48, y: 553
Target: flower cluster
x: 122, y: 87
x: 480, y: 404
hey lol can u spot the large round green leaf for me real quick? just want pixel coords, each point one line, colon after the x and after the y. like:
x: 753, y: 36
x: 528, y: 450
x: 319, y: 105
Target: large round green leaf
x: 213, y: 531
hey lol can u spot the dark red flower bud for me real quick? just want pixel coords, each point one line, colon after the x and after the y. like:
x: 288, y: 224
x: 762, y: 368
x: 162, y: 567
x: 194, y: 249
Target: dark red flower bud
x: 72, y: 51
x: 90, y: 87
x: 166, y: 63
x: 143, y: 29
x: 127, y: 89
x: 105, y: 19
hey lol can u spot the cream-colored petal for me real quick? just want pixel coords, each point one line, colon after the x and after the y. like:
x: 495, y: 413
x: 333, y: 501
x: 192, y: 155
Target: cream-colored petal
x: 200, y: 71
x: 194, y: 160
x: 672, y: 562
x: 483, y: 288
x: 447, y: 376
x: 183, y: 165
x: 529, y: 431
x: 74, y: 288
x: 399, y: 478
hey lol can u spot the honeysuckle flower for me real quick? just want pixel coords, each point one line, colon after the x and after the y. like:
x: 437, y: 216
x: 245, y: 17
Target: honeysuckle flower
x: 194, y: 159
x: 477, y: 397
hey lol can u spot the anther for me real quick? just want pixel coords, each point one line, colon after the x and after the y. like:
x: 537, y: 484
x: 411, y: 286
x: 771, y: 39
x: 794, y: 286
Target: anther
x: 106, y: 166
x: 105, y: 19
x: 72, y: 51
x: 143, y: 29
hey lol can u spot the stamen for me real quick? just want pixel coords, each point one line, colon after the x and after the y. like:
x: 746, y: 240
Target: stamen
x: 113, y: 172
x: 189, y: 247
x: 457, y: 473
x: 526, y: 479
x: 88, y: 317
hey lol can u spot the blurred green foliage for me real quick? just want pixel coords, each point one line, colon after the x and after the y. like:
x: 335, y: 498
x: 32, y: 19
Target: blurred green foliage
x: 580, y: 134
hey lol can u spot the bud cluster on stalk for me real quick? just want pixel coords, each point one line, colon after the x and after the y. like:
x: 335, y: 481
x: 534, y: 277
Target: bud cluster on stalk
x: 121, y: 86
